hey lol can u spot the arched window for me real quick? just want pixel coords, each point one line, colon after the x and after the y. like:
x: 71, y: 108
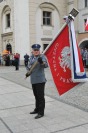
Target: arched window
x: 6, y: 19
x: 47, y: 14
x: 9, y: 47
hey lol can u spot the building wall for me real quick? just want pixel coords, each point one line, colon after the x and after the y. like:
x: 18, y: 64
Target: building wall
x: 44, y: 34
x: 82, y: 15
x: 82, y: 35
x: 21, y: 27
x: 24, y: 29
x: 6, y: 35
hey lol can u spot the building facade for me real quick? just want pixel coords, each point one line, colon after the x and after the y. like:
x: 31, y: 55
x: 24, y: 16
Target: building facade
x: 6, y: 25
x: 25, y: 22
x: 82, y: 35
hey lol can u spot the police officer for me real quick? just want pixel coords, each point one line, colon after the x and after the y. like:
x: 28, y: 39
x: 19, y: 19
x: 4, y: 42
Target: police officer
x: 38, y: 80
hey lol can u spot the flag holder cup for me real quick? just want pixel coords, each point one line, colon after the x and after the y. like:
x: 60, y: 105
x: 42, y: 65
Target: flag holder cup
x: 72, y: 14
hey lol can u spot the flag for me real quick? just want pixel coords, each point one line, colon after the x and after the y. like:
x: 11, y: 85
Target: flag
x: 58, y: 55
x: 86, y: 25
x: 65, y: 60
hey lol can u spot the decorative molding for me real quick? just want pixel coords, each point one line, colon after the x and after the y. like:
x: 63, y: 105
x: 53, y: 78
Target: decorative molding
x: 7, y: 34
x: 85, y: 14
x: 7, y: 9
x: 85, y: 8
x: 47, y: 5
x: 85, y: 32
x: 46, y: 39
x: 71, y: 2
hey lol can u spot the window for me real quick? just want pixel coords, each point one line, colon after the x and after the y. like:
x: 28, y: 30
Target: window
x: 8, y: 20
x: 44, y: 46
x: 85, y: 21
x: 9, y: 47
x: 46, y: 18
x: 86, y: 3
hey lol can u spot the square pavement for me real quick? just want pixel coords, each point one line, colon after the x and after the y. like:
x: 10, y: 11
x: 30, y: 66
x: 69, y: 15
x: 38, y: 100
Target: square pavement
x: 17, y: 101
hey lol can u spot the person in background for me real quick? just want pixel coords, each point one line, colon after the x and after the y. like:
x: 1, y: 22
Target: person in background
x: 85, y: 56
x: 16, y: 61
x: 26, y: 58
x: 11, y: 59
x: 82, y: 55
x: 7, y: 60
x: 0, y: 59
x: 38, y: 80
x: 19, y: 59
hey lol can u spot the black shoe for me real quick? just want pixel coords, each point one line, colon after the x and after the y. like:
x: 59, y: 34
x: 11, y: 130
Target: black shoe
x: 38, y: 116
x: 33, y: 112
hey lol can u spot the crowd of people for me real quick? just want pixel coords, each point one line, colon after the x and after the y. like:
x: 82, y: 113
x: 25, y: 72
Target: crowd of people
x: 84, y: 54
x: 13, y: 59
x: 10, y: 60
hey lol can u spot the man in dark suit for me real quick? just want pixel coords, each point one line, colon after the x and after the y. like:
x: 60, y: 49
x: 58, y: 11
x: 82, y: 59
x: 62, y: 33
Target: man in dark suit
x: 26, y: 58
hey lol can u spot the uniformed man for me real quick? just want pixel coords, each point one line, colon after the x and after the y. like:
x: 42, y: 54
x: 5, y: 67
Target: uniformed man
x: 38, y: 80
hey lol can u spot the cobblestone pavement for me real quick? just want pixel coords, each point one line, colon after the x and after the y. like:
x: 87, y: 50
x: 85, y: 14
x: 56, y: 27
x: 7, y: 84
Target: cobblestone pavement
x: 16, y: 103
x: 77, y: 97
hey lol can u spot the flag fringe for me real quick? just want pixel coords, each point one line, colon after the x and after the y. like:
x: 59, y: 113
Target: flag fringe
x: 80, y: 74
x: 79, y: 80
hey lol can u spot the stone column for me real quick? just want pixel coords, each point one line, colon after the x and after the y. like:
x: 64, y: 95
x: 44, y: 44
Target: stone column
x: 21, y: 27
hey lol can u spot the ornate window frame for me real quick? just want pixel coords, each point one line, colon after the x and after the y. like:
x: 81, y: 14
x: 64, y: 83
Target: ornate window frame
x: 6, y: 12
x: 6, y: 28
x: 48, y: 8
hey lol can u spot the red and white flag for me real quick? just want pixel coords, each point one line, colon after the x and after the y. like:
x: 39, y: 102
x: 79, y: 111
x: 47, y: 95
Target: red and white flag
x: 86, y: 25
x: 58, y: 55
x: 65, y: 59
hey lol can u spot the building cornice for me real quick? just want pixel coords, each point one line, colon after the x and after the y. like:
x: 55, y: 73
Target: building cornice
x: 86, y: 8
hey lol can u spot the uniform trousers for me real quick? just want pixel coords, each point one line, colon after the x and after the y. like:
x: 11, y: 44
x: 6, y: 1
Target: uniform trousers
x: 38, y: 91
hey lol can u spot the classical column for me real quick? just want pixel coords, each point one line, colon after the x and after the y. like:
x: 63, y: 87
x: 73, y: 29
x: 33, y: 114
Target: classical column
x: 21, y: 27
